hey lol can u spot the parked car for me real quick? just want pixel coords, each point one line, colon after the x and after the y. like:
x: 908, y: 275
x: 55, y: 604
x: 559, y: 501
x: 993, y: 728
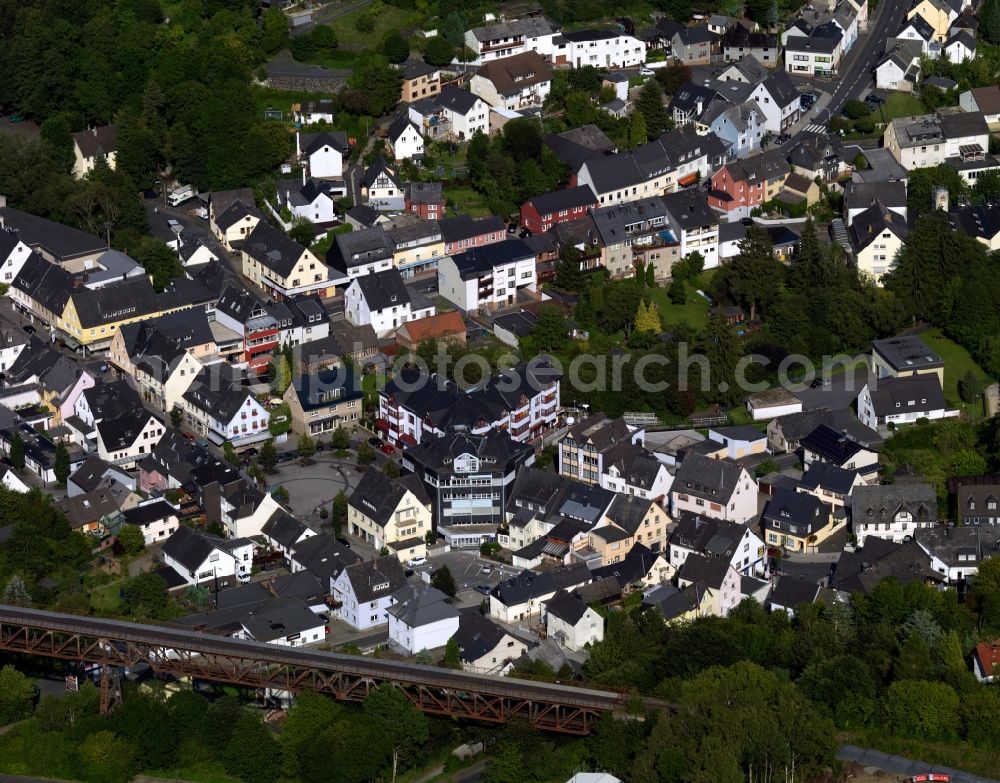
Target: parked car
x: 486, y: 569
x: 807, y: 99
x: 375, y: 443
x: 782, y: 139
x: 416, y: 562
x: 150, y: 194
x: 344, y: 541
x: 288, y: 456
x: 874, y: 99
x: 484, y: 589
x: 251, y: 452
x: 387, y: 449
x: 29, y: 329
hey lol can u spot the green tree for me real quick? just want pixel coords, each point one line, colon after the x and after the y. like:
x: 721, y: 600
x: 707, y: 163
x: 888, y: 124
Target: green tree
x: 444, y: 581
x: 753, y: 278
x: 280, y: 493
x: 719, y: 344
x: 438, y: 51
x: 229, y: 453
x: 311, y: 714
x: 16, y: 592
x: 452, y: 655
x: 395, y: 47
x: 306, y: 446
x: 653, y: 109
x: 252, y: 753
x: 144, y: 596
x: 274, y: 30
x: 17, y: 451
x: 105, y: 758
x: 394, y: 716
x: 637, y: 133
x: 324, y: 39
x: 379, y: 82
x: 671, y: 77
x: 651, y: 275
x: 391, y: 468
x: 268, y: 456
x: 61, y: 466
x: 569, y: 276
x: 549, y: 332
x: 968, y: 387
x: 340, y: 439
x: 176, y: 417
x: 132, y: 540
x: 921, y: 710
x: 302, y: 231
x: 366, y: 454
x: 158, y: 260
x: 338, y: 512
x: 677, y: 292
x: 17, y: 693
x: 989, y: 20
x: 365, y: 22
x: 987, y: 187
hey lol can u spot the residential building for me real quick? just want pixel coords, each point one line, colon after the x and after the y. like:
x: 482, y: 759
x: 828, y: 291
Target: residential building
x: 484, y: 646
x: 488, y: 277
x: 899, y: 68
x: 571, y: 622
x: 463, y: 232
x: 99, y: 144
x: 832, y: 485
x: 468, y: 477
x: 900, y: 401
x: 863, y: 569
x: 464, y: 113
x: 405, y: 139
x: 817, y: 155
x: 444, y: 328
x: 523, y: 401
x: 714, y: 488
x: 324, y: 400
x: 361, y: 252
x: 825, y: 444
x: 515, y: 82
x: 714, y: 577
x: 508, y: 39
x: 738, y: 42
x: 283, y: 532
x: 643, y: 520
x: 939, y: 14
x: 860, y: 196
x: 980, y: 221
x: 94, y: 473
x: 694, y: 224
x: 790, y: 592
x: 235, y: 223
x: 202, y: 559
x: 323, y: 557
x: 877, y: 235
x: 312, y: 112
x: 424, y: 199
x: 932, y: 139
x: 381, y: 188
x: 420, y: 80
x: 736, y: 544
x: 218, y: 407
x: 281, y: 266
x: 976, y: 499
x: 520, y: 597
x: 540, y: 213
x: 741, y: 126
x: 311, y: 199
x: 985, y: 661
x: 418, y: 246
x: 693, y: 45
x: 395, y: 513
x: 738, y: 187
x: 284, y: 621
x: 421, y: 618
x: 365, y: 591
x: 323, y: 153
x: 984, y: 100
x: 797, y: 521
x: 894, y: 512
x: 55, y: 242
x: 13, y: 254
x: 598, y: 49
x: 903, y: 356
x: 382, y: 300
x: 156, y: 518
x: 957, y: 552
x: 813, y: 55
x: 739, y: 441
x: 779, y: 99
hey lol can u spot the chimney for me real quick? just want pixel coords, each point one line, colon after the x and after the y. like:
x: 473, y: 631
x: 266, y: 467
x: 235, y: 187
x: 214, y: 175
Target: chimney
x: 303, y: 176
x: 3, y: 203
x: 298, y: 144
x: 94, y: 131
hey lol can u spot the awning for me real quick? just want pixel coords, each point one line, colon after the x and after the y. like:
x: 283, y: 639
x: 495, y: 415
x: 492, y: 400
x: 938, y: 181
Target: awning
x: 408, y: 439
x: 688, y: 179
x: 382, y: 424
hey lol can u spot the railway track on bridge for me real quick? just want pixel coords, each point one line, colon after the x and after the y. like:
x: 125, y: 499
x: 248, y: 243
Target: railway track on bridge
x: 185, y: 653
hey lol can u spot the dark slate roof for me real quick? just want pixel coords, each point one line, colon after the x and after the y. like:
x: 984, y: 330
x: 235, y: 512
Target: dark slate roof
x: 977, y: 220
x: 456, y: 100
x: 565, y: 199
x: 780, y: 86
x: 398, y: 126
x: 868, y: 226
x: 56, y: 239
x: 414, y: 68
x: 823, y: 475
x: 715, y: 537
x: 459, y: 227
x: 790, y: 591
x: 48, y: 284
x: 310, y: 142
x: 383, y: 289
x: 831, y: 445
x: 800, y: 513
x: 378, y: 497
x: 477, y: 261
x: 91, y: 474
x: 861, y: 195
x: 189, y: 547
x: 280, y: 617
x: 706, y: 571
x: 567, y: 607
x: 476, y: 636
x: 907, y: 352
x: 419, y: 605
x: 424, y: 193
x: 628, y: 511
x: 633, y: 568
x: 273, y: 249
x: 234, y: 213
x: 861, y: 570
x: 498, y: 450
x: 374, y: 579
x: 283, y: 528
x: 357, y: 248
x: 326, y: 388
x: 879, y: 503
x: 97, y: 141
x: 672, y: 603
x: 695, y: 35
x: 218, y: 391
x: 707, y: 478
x: 323, y: 556
x: 911, y: 394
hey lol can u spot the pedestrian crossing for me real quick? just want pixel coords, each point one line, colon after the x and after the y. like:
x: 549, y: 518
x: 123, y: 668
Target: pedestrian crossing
x: 815, y: 128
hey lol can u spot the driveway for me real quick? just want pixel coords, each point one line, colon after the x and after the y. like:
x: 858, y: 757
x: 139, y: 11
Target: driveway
x: 469, y: 570
x: 311, y: 487
x: 842, y: 391
x: 283, y: 65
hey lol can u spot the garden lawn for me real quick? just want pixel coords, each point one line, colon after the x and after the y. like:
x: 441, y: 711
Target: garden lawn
x: 389, y: 17
x: 104, y: 599
x: 465, y: 200
x: 957, y: 362
x: 694, y: 311
x: 899, y: 104
x: 282, y: 100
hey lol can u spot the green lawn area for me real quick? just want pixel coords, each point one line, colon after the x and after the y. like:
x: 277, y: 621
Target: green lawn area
x: 899, y: 104
x: 957, y: 362
x: 389, y: 17
x: 694, y: 311
x: 281, y: 100
x: 465, y: 200
x: 104, y: 599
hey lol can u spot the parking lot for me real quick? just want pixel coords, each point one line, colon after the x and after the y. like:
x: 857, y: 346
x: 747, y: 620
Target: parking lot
x: 470, y: 570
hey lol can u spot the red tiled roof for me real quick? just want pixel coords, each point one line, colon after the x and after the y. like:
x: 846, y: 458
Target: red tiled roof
x: 988, y: 654
x: 441, y: 325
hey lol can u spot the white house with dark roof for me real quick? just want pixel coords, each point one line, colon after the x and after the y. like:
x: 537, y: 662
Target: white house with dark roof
x: 219, y: 407
x: 285, y: 621
x: 365, y: 591
x: 381, y: 188
x: 598, y: 49
x: 203, y: 559
x: 713, y: 488
x: 738, y: 545
x: 466, y: 114
x: 716, y: 579
x: 505, y: 39
x: 156, y: 518
x: 13, y: 254
x: 900, y: 401
x: 484, y: 646
x: 778, y: 98
x: 311, y: 199
x: 283, y: 531
x: 323, y: 152
x: 93, y: 145
x: 572, y: 623
x: 421, y: 618
x: 405, y: 139
x: 894, y: 512
x: 488, y: 276
x: 383, y: 301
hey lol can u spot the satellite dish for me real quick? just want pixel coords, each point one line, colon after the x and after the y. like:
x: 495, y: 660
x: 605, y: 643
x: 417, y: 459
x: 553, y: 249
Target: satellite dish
x: 570, y: 421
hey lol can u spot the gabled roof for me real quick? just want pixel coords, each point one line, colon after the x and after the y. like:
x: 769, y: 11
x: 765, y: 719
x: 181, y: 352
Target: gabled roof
x: 689, y: 36
x: 323, y: 556
x: 879, y: 503
x: 565, y: 199
x: 424, y: 192
x: 378, y: 497
x: 459, y: 227
x: 383, y: 290
x: 477, y: 261
x: 823, y: 475
x: 868, y: 226
x: 790, y: 591
x: 190, y: 547
x: 476, y: 636
x: 399, y: 126
x: 273, y: 249
x: 326, y: 388
x: 311, y: 142
x: 707, y: 478
x: 420, y: 605
x: 831, y: 445
x: 97, y: 141
x: 149, y: 512
x: 510, y: 75
x: 706, y: 571
x: 861, y: 570
x: 283, y: 528
x: 279, y: 618
x: 218, y: 391
x: 456, y: 100
x: 374, y: 579
x: 567, y: 607
x: 914, y: 394
x: 799, y: 513
x: 705, y: 535
x: 437, y: 326
x: 56, y: 239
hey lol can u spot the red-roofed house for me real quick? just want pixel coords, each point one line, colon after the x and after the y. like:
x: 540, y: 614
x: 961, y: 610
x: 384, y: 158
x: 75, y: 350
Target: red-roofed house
x: 445, y: 326
x: 985, y: 659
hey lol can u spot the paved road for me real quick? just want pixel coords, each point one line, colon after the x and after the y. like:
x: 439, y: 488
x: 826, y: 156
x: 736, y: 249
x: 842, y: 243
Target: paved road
x: 857, y: 74
x: 284, y: 65
x: 898, y: 765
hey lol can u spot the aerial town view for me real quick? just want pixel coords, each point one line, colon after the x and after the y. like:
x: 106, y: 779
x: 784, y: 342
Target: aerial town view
x: 500, y: 391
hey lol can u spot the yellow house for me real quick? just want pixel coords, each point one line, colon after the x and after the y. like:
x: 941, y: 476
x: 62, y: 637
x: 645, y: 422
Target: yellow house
x: 418, y: 246
x: 281, y: 266
x: 938, y: 15
x: 92, y: 317
x: 683, y: 605
x: 391, y: 513
x: 903, y: 356
x: 644, y: 520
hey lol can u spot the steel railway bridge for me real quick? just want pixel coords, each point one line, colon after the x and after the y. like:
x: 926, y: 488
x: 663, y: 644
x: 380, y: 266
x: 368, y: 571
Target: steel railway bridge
x: 183, y: 653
